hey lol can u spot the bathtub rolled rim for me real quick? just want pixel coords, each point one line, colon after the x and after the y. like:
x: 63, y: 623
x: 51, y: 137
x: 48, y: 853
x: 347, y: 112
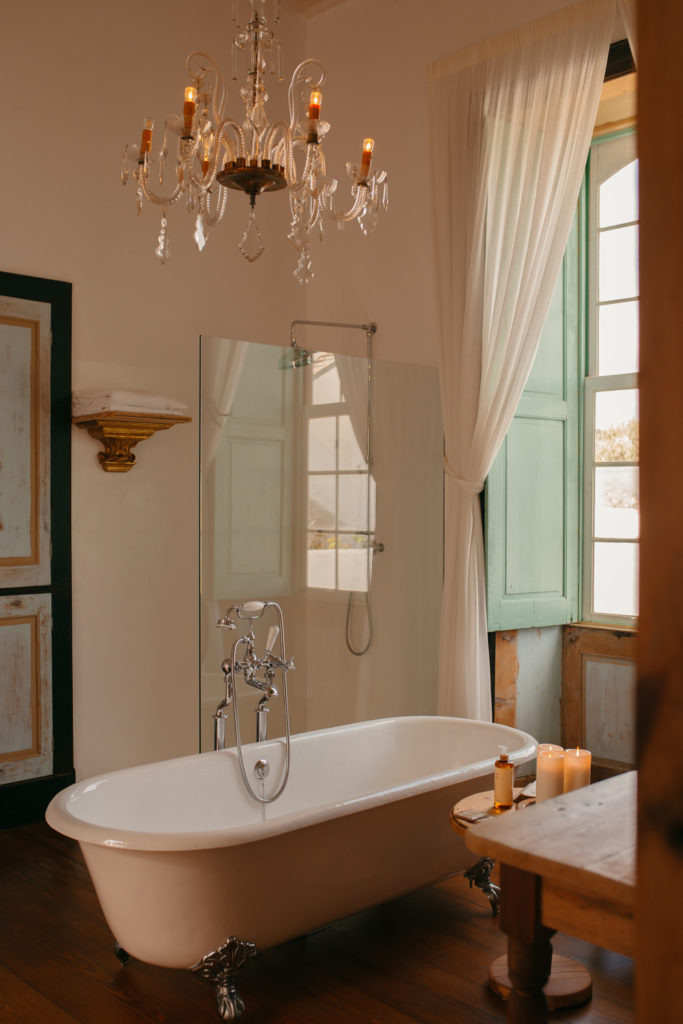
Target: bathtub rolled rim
x: 61, y: 818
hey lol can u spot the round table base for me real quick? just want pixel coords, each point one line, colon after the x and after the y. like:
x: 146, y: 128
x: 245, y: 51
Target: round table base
x: 569, y: 983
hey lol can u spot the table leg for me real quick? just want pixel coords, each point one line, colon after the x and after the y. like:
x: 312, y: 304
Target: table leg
x: 529, y: 947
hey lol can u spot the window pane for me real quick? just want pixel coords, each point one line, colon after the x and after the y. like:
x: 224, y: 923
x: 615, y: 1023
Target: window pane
x: 618, y: 197
x: 321, y: 561
x: 618, y: 264
x: 322, y: 443
x: 615, y: 578
x: 321, y: 502
x: 353, y: 502
x: 353, y: 562
x: 618, y: 338
x: 616, y: 426
x: 616, y: 502
x: 350, y: 455
x: 325, y: 379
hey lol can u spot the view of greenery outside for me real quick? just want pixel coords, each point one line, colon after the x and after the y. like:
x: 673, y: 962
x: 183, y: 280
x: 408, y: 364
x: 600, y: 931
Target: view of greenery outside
x: 617, y: 443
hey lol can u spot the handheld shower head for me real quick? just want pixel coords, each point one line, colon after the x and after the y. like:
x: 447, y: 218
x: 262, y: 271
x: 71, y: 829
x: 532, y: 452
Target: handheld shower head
x: 250, y: 609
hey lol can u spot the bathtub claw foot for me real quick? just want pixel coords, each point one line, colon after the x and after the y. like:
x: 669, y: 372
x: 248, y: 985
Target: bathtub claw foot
x: 480, y: 875
x: 121, y: 953
x: 221, y: 967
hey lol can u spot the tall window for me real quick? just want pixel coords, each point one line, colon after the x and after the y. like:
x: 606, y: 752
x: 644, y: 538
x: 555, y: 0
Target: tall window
x: 611, y: 509
x: 340, y: 500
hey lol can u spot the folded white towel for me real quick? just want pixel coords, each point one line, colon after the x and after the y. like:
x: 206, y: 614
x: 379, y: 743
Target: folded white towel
x: 89, y: 402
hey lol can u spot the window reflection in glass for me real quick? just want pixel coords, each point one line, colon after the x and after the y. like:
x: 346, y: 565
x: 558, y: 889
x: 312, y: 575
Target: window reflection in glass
x: 321, y: 558
x: 353, y: 562
x: 353, y: 502
x: 322, y: 502
x: 322, y: 443
x: 324, y: 379
x: 350, y: 455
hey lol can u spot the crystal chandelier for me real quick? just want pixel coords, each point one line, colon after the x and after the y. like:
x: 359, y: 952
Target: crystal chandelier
x: 216, y: 152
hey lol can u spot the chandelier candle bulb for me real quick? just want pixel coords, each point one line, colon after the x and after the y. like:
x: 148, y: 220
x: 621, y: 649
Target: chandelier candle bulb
x: 207, y: 145
x: 314, y: 105
x: 189, y: 107
x: 366, y: 157
x: 549, y: 772
x: 146, y: 141
x: 577, y: 769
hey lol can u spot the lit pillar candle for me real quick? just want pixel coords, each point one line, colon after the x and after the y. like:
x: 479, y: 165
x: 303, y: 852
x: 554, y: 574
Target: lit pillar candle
x: 366, y: 157
x: 189, y: 107
x: 549, y: 772
x: 577, y: 769
x: 314, y: 105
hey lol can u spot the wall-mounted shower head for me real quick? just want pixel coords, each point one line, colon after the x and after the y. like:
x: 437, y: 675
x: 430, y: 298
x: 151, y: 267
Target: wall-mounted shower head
x: 295, y: 357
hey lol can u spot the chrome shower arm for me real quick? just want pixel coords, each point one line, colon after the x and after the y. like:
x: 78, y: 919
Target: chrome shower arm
x: 369, y: 329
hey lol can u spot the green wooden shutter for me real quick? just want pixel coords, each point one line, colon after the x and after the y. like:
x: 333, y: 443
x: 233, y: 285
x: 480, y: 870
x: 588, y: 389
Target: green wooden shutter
x: 532, y: 492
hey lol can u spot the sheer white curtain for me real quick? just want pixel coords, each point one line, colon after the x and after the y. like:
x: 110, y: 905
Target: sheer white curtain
x: 511, y: 122
x: 353, y: 377
x: 628, y: 12
x: 222, y: 362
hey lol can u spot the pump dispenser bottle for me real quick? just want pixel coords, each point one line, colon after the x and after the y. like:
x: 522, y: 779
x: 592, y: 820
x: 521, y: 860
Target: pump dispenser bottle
x: 503, y: 781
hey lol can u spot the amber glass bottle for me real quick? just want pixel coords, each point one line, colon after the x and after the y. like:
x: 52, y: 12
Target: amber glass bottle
x: 503, y: 782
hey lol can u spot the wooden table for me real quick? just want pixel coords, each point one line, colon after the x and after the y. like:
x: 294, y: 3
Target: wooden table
x: 567, y: 865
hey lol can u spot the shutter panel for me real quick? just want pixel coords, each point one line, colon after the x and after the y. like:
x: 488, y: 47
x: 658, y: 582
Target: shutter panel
x: 532, y: 492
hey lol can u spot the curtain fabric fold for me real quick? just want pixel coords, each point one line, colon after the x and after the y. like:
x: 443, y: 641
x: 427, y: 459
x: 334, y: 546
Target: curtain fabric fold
x: 353, y: 378
x: 511, y: 122
x: 627, y: 9
x: 223, y: 361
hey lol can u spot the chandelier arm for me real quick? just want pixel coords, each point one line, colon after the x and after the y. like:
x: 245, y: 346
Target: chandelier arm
x: 279, y: 151
x: 219, y: 95
x: 360, y: 195
x: 308, y: 169
x: 149, y: 194
x: 188, y: 153
x: 222, y: 138
x: 300, y: 78
x: 217, y: 216
x: 316, y: 209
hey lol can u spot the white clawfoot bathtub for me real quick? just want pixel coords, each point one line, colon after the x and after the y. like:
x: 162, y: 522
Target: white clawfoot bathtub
x: 181, y: 857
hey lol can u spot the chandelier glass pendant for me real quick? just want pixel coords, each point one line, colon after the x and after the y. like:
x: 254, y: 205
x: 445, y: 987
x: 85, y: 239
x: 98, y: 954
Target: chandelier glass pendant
x: 254, y: 155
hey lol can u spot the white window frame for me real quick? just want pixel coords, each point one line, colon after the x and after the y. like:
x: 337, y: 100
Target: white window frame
x: 622, y: 150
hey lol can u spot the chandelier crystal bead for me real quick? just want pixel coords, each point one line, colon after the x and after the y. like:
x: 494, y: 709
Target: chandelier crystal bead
x: 251, y: 154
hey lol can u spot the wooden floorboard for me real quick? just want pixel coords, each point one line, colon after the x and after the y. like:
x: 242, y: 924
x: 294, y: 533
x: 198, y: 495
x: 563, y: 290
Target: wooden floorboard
x: 422, y: 958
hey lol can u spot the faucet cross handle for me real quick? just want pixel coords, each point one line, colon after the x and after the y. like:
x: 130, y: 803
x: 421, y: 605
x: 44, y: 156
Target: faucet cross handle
x: 272, y: 662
